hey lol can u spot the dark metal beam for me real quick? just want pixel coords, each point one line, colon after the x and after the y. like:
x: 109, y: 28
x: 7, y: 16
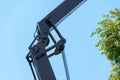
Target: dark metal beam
x: 42, y: 65
x: 43, y: 68
x: 62, y: 11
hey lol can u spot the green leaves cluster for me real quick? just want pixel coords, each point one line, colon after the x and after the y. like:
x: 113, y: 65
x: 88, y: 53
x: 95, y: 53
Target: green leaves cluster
x: 115, y: 73
x: 109, y: 43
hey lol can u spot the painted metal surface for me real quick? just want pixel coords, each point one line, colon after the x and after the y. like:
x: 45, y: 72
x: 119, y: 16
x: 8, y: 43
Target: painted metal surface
x: 37, y: 57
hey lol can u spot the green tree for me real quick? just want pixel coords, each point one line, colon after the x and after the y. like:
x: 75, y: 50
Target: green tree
x: 109, y: 43
x: 115, y: 73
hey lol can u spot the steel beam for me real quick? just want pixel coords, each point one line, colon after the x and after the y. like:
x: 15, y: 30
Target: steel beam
x: 62, y: 11
x: 42, y: 65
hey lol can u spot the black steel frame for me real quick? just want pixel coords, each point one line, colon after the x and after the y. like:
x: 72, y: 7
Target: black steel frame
x: 37, y: 57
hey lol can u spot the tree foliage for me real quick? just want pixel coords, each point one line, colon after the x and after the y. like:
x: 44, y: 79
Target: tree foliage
x: 109, y: 43
x: 115, y: 73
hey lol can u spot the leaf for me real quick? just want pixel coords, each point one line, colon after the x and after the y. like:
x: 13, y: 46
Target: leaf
x: 109, y: 40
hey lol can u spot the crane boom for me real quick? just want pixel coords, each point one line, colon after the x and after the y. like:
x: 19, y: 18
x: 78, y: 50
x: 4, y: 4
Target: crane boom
x: 62, y: 11
x: 37, y: 56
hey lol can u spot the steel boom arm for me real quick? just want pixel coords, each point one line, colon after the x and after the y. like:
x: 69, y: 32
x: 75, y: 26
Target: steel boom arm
x: 62, y: 11
x: 37, y: 57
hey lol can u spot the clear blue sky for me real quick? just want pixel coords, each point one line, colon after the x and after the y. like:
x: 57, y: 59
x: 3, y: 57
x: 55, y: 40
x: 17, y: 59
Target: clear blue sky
x: 18, y: 20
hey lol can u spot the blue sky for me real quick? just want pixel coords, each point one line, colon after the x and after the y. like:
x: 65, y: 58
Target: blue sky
x: 18, y: 20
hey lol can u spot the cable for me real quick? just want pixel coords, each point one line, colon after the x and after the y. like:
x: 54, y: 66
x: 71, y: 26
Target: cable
x: 65, y: 65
